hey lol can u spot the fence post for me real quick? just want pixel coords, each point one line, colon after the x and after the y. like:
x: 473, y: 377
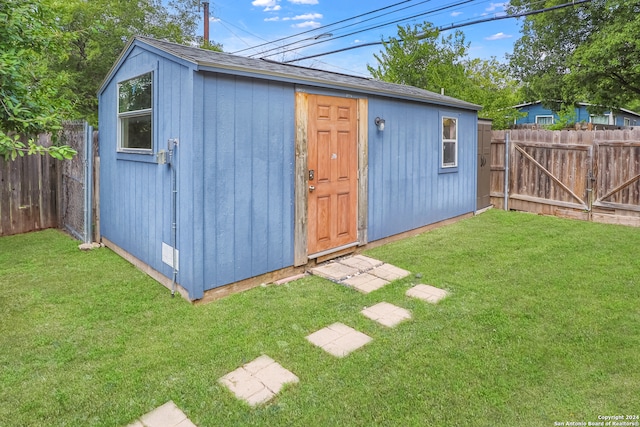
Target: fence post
x: 506, y: 171
x: 88, y: 181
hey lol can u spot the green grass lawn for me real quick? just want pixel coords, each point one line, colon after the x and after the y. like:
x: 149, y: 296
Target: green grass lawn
x: 542, y: 325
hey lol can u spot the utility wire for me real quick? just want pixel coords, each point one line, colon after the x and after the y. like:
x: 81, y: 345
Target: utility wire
x: 279, y: 48
x: 445, y: 28
x: 325, y: 26
x: 234, y: 34
x: 336, y: 29
x: 368, y: 29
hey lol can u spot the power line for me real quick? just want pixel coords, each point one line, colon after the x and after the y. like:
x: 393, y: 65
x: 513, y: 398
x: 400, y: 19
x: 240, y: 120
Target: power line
x: 325, y: 26
x: 371, y: 28
x: 336, y: 29
x: 445, y: 28
x: 234, y: 34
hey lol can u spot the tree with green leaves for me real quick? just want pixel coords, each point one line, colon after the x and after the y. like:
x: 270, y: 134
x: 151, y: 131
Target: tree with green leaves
x: 101, y: 29
x: 588, y: 52
x: 420, y: 57
x: 30, y: 98
x: 55, y: 53
x: 490, y: 84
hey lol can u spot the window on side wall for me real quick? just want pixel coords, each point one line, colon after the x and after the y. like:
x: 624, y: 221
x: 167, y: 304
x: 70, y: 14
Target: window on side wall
x: 544, y: 120
x: 135, y: 114
x: 449, y: 142
x: 627, y: 121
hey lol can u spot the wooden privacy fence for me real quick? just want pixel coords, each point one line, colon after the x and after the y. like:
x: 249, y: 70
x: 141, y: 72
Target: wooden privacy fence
x: 589, y: 175
x: 28, y: 193
x: 38, y: 192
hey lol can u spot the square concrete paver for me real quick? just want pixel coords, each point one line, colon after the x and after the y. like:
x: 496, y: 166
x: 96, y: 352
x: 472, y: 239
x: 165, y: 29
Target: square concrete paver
x: 389, y: 272
x: 258, y: 381
x: 387, y: 314
x: 365, y: 282
x: 361, y: 262
x: 167, y: 415
x: 338, y: 339
x: 334, y: 271
x: 427, y: 293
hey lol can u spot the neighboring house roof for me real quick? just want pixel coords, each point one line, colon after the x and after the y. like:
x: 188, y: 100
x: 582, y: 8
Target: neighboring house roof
x: 583, y: 104
x: 207, y: 60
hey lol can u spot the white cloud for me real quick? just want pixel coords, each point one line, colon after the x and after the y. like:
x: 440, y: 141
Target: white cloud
x: 275, y: 18
x: 494, y: 6
x: 303, y: 1
x: 307, y: 24
x: 498, y: 36
x: 307, y: 16
x: 454, y: 14
x: 269, y: 5
x: 264, y: 3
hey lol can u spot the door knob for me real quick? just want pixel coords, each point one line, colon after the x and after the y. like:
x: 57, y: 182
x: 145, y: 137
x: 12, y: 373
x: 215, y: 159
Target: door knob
x: 311, y: 188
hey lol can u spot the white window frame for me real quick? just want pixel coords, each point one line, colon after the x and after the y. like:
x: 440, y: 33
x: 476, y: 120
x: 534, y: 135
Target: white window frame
x: 444, y: 165
x: 607, y: 116
x: 135, y: 113
x: 545, y: 117
x: 627, y: 121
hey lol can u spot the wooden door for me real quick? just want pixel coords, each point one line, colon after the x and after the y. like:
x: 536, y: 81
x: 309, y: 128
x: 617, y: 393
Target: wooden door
x: 332, y: 172
x: 484, y: 165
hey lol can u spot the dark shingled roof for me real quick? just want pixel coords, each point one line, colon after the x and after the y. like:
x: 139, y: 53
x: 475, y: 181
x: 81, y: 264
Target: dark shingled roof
x: 206, y: 59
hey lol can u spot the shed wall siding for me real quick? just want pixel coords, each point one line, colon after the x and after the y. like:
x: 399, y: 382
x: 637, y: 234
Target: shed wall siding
x: 406, y: 190
x: 135, y: 196
x: 248, y: 157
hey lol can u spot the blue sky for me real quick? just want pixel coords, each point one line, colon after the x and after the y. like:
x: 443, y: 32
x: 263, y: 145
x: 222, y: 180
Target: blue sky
x: 239, y: 24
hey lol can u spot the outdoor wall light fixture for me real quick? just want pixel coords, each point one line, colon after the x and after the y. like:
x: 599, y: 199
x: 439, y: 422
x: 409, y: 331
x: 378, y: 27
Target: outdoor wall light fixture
x: 379, y: 123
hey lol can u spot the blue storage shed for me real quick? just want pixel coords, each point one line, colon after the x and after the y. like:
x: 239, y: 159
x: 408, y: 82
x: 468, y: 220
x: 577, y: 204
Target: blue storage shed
x: 220, y: 172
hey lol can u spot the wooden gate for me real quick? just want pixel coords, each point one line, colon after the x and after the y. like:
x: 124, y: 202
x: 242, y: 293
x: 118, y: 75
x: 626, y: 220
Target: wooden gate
x: 617, y: 192
x: 592, y: 175
x: 547, y: 177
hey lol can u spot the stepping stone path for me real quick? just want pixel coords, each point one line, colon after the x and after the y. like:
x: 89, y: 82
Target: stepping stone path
x: 167, y: 415
x: 387, y: 314
x: 338, y: 339
x: 258, y: 381
x: 360, y: 272
x: 427, y: 293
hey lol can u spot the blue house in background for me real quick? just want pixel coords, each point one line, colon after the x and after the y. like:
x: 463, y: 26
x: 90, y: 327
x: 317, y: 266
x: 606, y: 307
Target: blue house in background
x: 536, y: 113
x: 220, y: 172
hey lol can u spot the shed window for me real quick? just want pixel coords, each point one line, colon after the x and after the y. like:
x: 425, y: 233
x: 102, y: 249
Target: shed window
x: 544, y: 120
x: 449, y: 142
x: 627, y: 121
x: 135, y: 113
